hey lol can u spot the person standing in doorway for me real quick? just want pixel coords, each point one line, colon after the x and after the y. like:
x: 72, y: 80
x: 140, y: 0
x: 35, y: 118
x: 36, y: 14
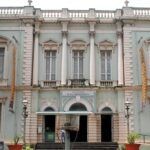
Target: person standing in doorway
x: 62, y: 135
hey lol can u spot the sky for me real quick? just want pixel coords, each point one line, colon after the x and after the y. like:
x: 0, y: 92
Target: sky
x: 77, y: 4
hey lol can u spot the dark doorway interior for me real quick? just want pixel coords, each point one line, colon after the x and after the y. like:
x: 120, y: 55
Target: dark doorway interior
x: 106, y: 131
x: 50, y: 128
x: 81, y: 135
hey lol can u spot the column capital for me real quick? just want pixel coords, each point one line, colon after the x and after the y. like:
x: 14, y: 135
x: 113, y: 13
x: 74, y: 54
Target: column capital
x: 119, y: 33
x: 92, y: 33
x: 64, y: 26
x: 37, y: 28
x: 64, y: 33
x: 92, y: 28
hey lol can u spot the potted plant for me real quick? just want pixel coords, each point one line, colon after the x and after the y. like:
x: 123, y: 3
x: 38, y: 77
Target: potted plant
x: 131, y: 141
x: 15, y: 146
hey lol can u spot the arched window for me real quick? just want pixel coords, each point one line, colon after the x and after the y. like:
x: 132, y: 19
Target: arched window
x: 49, y: 109
x: 78, y: 107
x: 106, y: 110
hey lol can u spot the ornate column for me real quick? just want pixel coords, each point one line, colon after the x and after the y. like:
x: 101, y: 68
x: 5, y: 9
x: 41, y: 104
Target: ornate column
x: 92, y: 54
x: 64, y: 53
x: 120, y: 54
x: 35, y: 61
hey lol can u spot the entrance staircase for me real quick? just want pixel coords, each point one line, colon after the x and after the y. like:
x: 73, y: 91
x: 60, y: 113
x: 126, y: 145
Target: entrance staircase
x: 77, y: 146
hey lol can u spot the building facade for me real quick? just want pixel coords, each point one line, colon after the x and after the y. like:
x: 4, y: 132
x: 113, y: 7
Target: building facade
x: 74, y: 60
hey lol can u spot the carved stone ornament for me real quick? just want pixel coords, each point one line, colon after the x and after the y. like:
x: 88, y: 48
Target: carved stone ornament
x: 50, y: 45
x: 147, y: 44
x: 3, y: 40
x: 3, y: 100
x: 147, y: 41
x: 105, y: 45
x: 78, y: 45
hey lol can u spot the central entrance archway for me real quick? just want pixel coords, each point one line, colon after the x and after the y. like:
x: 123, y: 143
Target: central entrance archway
x: 81, y: 135
x: 49, y: 121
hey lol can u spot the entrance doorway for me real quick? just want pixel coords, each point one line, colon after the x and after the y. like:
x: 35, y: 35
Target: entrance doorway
x: 49, y: 122
x: 50, y: 128
x: 106, y: 128
x: 81, y: 135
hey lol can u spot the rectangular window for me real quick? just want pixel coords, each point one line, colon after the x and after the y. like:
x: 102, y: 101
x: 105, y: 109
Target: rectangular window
x: 105, y: 65
x: 77, y: 64
x: 1, y: 62
x: 50, y: 65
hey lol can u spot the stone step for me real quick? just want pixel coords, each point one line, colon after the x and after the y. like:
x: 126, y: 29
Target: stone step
x: 77, y: 146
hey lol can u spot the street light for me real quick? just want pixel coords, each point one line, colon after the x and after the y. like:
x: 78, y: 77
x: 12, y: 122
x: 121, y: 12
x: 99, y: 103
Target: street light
x: 25, y: 115
x: 127, y: 104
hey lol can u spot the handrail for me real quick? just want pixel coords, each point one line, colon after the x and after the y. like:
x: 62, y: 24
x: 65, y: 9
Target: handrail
x: 144, y: 138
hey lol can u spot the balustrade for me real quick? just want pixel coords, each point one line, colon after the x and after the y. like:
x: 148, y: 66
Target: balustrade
x: 141, y: 12
x: 74, y: 14
x: 78, y: 13
x: 51, y: 13
x: 105, y: 14
x: 11, y: 11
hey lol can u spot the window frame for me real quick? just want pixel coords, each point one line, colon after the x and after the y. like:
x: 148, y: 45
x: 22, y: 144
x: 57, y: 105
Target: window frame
x: 78, y: 74
x: 50, y: 45
x: 106, y: 46
x: 77, y: 45
x: 2, y: 45
x: 50, y: 72
x: 106, y: 65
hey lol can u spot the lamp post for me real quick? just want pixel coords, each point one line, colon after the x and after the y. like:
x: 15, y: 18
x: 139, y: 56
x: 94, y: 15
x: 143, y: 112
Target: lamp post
x: 25, y: 115
x: 127, y: 107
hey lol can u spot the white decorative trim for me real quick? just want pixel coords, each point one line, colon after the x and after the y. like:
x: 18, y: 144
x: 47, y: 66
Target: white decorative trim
x: 105, y: 45
x: 74, y: 101
x: 50, y: 45
x: 78, y: 45
x: 107, y: 104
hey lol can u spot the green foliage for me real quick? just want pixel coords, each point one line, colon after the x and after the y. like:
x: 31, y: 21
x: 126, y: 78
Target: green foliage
x: 132, y: 137
x: 16, y: 139
x: 29, y: 148
x: 122, y: 147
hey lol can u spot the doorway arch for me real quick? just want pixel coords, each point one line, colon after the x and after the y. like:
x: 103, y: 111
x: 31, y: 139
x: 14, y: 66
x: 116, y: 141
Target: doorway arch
x: 81, y: 135
x: 106, y: 124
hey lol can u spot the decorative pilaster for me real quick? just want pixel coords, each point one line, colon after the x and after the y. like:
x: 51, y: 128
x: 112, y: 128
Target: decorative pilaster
x: 27, y: 59
x: 35, y: 62
x: 64, y: 53
x: 120, y: 54
x: 92, y: 53
x: 128, y: 69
